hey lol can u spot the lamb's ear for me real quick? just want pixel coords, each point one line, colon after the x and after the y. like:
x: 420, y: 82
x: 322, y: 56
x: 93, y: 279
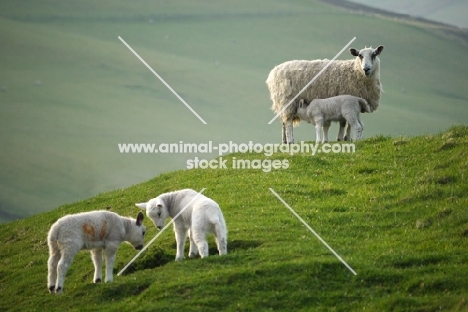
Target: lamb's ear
x: 142, y: 205
x: 140, y: 217
x: 354, y: 52
x: 378, y: 50
x: 301, y: 103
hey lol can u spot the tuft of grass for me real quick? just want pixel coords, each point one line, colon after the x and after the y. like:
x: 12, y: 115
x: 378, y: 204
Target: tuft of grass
x: 396, y: 213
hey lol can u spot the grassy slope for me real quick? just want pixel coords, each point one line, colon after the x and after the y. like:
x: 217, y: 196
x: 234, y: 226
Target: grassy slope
x: 395, y: 211
x: 59, y: 139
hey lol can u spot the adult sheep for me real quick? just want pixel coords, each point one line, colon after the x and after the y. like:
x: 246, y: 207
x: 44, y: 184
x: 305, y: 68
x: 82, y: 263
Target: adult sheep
x: 95, y: 231
x: 358, y: 77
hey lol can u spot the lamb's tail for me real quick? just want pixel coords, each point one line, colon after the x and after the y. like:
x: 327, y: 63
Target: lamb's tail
x: 365, y: 108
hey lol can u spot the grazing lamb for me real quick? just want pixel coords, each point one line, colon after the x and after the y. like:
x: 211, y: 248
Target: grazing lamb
x: 358, y: 77
x: 95, y: 231
x: 203, y: 215
x: 342, y: 108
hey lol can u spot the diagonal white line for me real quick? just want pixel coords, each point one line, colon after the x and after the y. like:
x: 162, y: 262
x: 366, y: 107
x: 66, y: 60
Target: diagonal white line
x: 310, y: 229
x: 160, y: 232
x: 162, y: 80
x: 310, y: 82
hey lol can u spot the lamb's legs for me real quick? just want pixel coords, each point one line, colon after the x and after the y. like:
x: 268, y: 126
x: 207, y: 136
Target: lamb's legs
x: 96, y: 256
x: 181, y: 236
x: 358, y: 129
x: 325, y: 128
x: 62, y: 267
x: 200, y: 239
x: 318, y: 132
x: 347, y: 136
x: 221, y: 239
x: 193, y: 250
x: 52, y: 266
x: 341, y: 131
x: 110, y: 259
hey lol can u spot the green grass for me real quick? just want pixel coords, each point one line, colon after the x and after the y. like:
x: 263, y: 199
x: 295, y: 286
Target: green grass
x: 395, y: 211
x: 59, y: 137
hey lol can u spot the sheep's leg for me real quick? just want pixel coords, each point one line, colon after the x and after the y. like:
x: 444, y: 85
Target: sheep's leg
x: 62, y: 267
x: 181, y: 236
x: 325, y: 128
x: 96, y: 256
x: 193, y: 250
x: 110, y: 259
x: 283, y: 133
x: 289, y: 132
x: 52, y: 267
x: 340, y: 136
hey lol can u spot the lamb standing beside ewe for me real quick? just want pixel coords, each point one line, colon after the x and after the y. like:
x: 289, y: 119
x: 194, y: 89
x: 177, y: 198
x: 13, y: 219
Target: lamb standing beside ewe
x: 342, y: 108
x: 358, y: 77
x: 202, y: 216
x: 95, y: 231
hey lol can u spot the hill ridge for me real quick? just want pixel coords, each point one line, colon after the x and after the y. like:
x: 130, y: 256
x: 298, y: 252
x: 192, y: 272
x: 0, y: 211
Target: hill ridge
x: 395, y: 210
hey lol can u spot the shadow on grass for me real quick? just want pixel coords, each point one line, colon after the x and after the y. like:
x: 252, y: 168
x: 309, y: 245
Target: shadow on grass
x: 151, y: 259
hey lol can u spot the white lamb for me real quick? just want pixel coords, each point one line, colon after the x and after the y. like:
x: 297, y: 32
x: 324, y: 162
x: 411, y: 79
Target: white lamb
x: 95, y: 231
x: 358, y: 77
x: 202, y: 216
x: 342, y: 108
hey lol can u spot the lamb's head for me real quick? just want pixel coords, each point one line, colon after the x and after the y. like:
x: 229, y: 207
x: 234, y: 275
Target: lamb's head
x: 156, y: 210
x: 302, y: 109
x: 136, y: 234
x: 367, y: 59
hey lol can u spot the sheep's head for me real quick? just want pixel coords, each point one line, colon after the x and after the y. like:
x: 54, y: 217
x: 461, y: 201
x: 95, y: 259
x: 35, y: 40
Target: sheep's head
x: 303, y: 103
x: 136, y: 233
x: 156, y: 210
x: 367, y: 58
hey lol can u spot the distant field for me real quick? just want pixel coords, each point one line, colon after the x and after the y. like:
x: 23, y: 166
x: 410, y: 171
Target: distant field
x: 70, y: 90
x: 450, y: 12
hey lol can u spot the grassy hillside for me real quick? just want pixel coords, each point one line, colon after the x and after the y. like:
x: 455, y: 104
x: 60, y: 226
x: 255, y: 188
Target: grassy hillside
x: 395, y: 211
x: 70, y: 90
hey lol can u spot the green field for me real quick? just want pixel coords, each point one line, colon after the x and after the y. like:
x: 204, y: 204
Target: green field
x: 395, y: 211
x: 71, y: 91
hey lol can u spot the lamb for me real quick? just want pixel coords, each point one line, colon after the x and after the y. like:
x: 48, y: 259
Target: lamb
x: 358, y: 77
x: 94, y: 231
x: 202, y: 216
x: 342, y: 108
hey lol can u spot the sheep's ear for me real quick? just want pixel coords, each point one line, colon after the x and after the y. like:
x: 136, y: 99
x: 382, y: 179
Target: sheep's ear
x: 140, y: 217
x: 142, y: 205
x: 354, y: 52
x: 378, y: 50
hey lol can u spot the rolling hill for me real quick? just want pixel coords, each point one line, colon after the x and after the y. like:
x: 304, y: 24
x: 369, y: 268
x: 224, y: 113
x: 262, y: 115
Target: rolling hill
x: 395, y: 211
x: 71, y: 91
